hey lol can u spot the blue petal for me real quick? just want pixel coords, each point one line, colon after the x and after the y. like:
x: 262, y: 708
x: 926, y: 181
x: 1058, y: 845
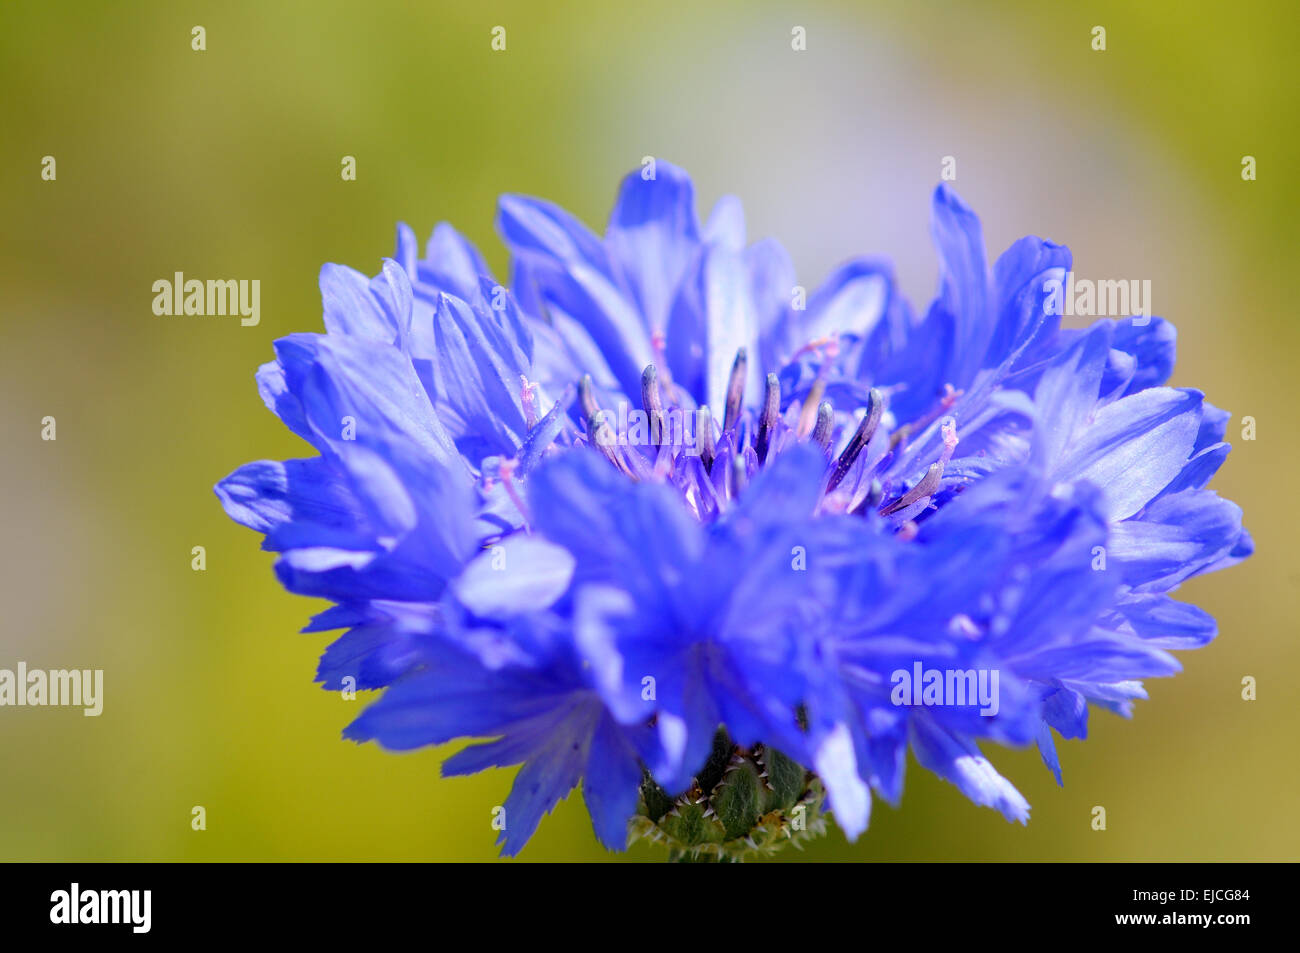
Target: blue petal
x: 772, y: 281
x: 329, y: 378
x: 610, y: 783
x: 963, y: 282
x: 1214, y: 423
x: 350, y: 307
x: 392, y: 289
x: 269, y: 493
x: 451, y: 263
x: 711, y: 321
x: 852, y: 300
x: 1198, y: 471
x: 582, y: 503
x: 652, y: 237
x: 850, y: 798
x: 473, y: 384
x: 1067, y: 393
x: 373, y: 655
x: 1134, y: 447
x: 1243, y: 548
x: 456, y: 696
x: 726, y: 224
x: 1175, y: 538
x: 1047, y: 749
x: 1023, y: 315
x: 519, y: 574
x: 404, y: 251
x: 1066, y: 711
x: 918, y: 372
x: 1154, y: 345
x: 571, y: 272
x: 1162, y: 621
x: 958, y: 760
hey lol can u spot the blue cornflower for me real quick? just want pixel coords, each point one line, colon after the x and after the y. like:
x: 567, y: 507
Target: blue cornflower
x: 659, y: 524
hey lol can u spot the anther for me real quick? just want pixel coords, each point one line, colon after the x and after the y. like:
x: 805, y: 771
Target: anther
x: 861, y: 437
x: 771, y: 411
x: 602, y: 434
x: 735, y: 390
x: 929, y: 483
x: 821, y: 434
x: 588, y: 399
x: 704, y: 436
x: 925, y: 487
x: 651, y: 402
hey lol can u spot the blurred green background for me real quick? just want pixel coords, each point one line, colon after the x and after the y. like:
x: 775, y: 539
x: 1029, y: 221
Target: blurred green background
x: 225, y: 163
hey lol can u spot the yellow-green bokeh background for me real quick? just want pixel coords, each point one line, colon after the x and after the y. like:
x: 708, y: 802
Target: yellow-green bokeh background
x: 226, y: 163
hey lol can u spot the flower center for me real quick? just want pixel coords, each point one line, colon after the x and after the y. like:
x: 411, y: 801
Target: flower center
x: 858, y: 480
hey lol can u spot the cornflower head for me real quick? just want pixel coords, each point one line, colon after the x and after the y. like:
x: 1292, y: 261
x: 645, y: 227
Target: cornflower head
x: 655, y: 522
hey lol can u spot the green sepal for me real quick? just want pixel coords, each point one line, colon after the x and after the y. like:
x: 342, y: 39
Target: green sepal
x: 786, y: 779
x: 738, y: 798
x: 742, y: 803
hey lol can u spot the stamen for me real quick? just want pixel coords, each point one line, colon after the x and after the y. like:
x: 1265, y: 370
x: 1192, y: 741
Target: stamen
x: 861, y: 437
x: 924, y: 487
x: 771, y: 411
x: 821, y: 434
x: 588, y: 399
x: 508, y: 484
x: 544, y: 434
x: 528, y: 400
x: 950, y: 396
x: 811, y: 406
x: 658, y: 348
x: 602, y: 435
x: 652, y: 404
x: 704, y: 436
x: 930, y: 482
x: 949, y: 430
x: 735, y: 390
